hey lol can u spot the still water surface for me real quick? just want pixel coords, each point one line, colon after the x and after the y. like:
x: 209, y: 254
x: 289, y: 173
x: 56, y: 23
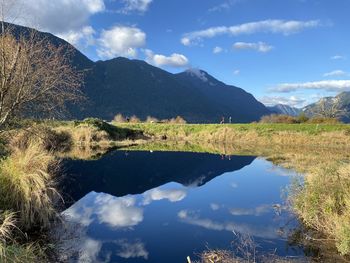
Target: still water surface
x: 140, y: 206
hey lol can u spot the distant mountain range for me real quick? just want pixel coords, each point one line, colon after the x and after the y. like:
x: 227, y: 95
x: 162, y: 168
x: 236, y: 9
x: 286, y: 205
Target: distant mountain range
x: 133, y: 87
x: 341, y: 102
x: 285, y: 109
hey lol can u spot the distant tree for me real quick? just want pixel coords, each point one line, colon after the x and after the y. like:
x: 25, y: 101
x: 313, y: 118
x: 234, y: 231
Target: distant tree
x: 36, y: 77
x: 331, y: 110
x: 119, y: 118
x: 302, y: 117
x: 134, y: 119
x: 151, y: 119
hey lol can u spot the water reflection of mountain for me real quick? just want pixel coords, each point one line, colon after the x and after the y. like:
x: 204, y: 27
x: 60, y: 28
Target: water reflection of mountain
x: 120, y: 173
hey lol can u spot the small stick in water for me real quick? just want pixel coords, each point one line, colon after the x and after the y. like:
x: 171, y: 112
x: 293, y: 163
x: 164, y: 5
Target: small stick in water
x: 189, y: 259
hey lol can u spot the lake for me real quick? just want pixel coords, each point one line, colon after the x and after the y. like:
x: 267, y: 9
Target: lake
x: 145, y: 206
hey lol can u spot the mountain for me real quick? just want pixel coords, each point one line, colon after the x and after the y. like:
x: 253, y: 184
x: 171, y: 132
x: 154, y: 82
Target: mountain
x: 228, y: 100
x: 285, y: 109
x: 340, y: 103
x: 133, y: 87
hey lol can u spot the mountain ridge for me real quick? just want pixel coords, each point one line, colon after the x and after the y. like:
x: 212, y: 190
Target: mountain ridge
x: 134, y: 87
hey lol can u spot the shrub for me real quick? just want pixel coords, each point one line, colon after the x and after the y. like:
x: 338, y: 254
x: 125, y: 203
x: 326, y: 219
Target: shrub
x: 119, y: 118
x: 40, y: 134
x: 302, y: 118
x: 178, y: 120
x: 278, y: 118
x: 134, y: 119
x: 324, y: 120
x: 151, y: 119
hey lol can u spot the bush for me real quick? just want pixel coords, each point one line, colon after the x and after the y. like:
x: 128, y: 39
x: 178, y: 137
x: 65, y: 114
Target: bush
x: 119, y: 118
x: 278, y: 118
x: 324, y: 120
x: 151, y: 119
x: 134, y: 119
x: 178, y: 120
x: 40, y: 134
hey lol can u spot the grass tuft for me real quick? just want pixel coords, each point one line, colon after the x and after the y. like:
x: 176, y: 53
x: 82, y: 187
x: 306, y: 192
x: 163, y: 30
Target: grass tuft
x: 27, y: 185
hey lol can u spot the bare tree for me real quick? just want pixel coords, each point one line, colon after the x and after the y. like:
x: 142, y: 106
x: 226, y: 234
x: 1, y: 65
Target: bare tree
x: 329, y: 110
x: 36, y: 77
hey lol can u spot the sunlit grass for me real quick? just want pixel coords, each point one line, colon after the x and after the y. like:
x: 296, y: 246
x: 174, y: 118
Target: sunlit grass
x: 27, y: 185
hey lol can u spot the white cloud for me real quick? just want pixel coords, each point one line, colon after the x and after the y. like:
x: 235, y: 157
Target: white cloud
x: 174, y: 60
x: 293, y: 101
x: 217, y: 50
x: 328, y: 85
x: 135, y: 6
x: 236, y: 72
x: 337, y: 57
x: 266, y: 26
x: 335, y: 73
x: 120, y: 41
x: 214, y: 206
x: 68, y: 19
x: 57, y: 16
x: 173, y: 195
x: 259, y: 46
x: 227, y: 5
x: 80, y: 38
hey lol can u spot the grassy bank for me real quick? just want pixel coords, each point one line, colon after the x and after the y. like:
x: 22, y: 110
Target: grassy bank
x: 258, y: 134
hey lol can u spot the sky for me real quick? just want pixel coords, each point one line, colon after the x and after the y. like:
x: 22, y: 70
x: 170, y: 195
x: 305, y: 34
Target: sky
x: 282, y: 51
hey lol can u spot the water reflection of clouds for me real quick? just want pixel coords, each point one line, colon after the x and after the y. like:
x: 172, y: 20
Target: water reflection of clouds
x: 256, y: 211
x: 193, y: 218
x: 116, y: 212
x: 173, y: 195
x: 92, y: 251
x: 119, y: 212
x: 131, y: 250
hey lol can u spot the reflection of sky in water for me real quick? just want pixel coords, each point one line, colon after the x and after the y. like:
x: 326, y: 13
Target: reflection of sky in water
x: 170, y: 222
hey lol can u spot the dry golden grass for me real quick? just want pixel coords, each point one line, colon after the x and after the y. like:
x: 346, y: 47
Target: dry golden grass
x: 323, y: 202
x: 27, y: 185
x: 85, y: 134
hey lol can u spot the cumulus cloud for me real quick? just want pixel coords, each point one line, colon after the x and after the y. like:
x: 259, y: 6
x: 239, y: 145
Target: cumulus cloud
x: 67, y: 19
x: 173, y: 195
x: 80, y: 38
x: 259, y: 46
x: 327, y: 85
x: 120, y: 41
x: 335, y: 73
x: 217, y: 50
x: 140, y: 6
x: 266, y: 26
x: 293, y: 101
x: 174, y: 60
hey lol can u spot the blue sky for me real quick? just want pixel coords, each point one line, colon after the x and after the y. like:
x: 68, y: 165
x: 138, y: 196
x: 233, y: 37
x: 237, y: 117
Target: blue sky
x: 281, y: 51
